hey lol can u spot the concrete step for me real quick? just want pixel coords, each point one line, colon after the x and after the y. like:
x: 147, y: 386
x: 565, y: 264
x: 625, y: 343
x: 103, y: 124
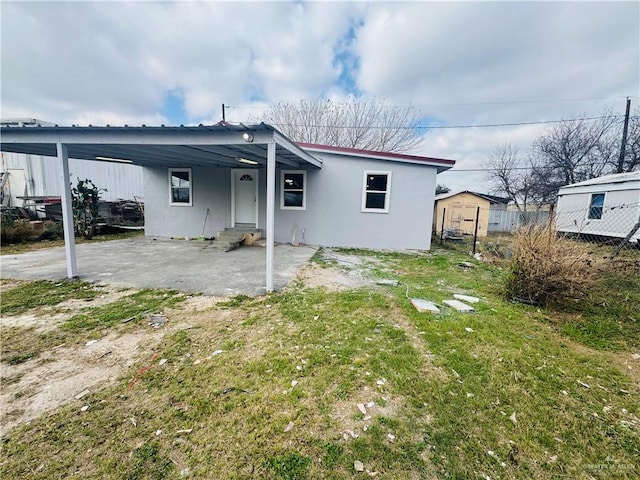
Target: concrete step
x: 243, y: 229
x: 227, y: 241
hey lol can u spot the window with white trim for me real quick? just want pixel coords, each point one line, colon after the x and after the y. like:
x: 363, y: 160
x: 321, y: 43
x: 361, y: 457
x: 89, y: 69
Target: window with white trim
x: 180, y: 187
x: 293, y: 191
x: 376, y: 190
x: 596, y: 206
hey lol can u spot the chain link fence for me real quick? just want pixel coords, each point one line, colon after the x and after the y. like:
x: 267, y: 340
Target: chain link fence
x: 615, y: 229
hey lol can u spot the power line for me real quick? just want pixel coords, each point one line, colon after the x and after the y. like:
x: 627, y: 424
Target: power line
x: 443, y: 127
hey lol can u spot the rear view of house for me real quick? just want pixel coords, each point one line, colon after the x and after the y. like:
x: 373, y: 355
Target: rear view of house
x: 607, y: 207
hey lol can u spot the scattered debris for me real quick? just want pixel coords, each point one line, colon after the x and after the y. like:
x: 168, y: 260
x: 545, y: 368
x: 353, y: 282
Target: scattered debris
x: 234, y: 389
x: 391, y: 437
x: 466, y: 265
x: 294, y: 383
x: 470, y: 395
x: 162, y: 361
x: 353, y: 434
x: 564, y: 392
x: 466, y: 298
x: 91, y: 342
x: 104, y: 354
x: 455, y: 374
x: 389, y: 282
x: 84, y: 408
x: 133, y: 421
x: 157, y: 320
x: 478, y: 256
x: 82, y: 394
x: 358, y: 466
x: 289, y: 427
x: 361, y: 408
x: 381, y: 382
x: 585, y: 385
x: 127, y: 320
x: 217, y: 352
x: 158, y: 433
x: 371, y: 404
x: 459, y: 306
x: 513, y: 418
x: 423, y: 305
x: 469, y: 329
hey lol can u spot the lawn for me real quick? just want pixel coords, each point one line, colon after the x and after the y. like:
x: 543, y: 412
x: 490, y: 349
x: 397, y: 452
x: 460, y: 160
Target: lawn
x: 316, y: 383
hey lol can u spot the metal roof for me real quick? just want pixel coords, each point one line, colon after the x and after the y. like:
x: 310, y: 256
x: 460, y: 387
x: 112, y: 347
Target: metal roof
x: 441, y: 163
x: 221, y: 144
x: 607, y: 179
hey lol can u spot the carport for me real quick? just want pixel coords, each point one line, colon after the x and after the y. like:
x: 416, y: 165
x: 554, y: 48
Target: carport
x: 222, y: 144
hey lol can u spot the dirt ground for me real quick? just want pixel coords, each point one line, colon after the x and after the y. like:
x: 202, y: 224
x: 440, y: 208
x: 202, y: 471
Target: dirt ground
x: 67, y: 373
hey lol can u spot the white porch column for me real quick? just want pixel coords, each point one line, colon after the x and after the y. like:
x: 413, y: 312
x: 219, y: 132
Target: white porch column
x: 67, y: 213
x: 271, y: 194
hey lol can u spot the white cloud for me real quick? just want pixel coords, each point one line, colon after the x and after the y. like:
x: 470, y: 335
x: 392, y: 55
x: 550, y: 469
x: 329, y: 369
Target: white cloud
x: 459, y: 62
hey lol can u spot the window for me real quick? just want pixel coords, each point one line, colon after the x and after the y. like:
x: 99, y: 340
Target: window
x: 596, y: 206
x: 293, y: 193
x: 180, y: 186
x: 375, y: 192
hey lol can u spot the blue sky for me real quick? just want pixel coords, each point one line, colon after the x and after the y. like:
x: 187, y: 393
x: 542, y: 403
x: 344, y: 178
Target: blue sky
x: 458, y: 63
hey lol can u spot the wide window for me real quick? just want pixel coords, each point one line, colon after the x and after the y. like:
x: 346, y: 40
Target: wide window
x: 596, y: 206
x: 376, y: 190
x: 293, y: 194
x: 180, y: 186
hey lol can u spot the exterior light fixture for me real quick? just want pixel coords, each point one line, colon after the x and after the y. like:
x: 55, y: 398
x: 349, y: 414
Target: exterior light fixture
x: 247, y: 161
x: 248, y: 137
x: 117, y: 160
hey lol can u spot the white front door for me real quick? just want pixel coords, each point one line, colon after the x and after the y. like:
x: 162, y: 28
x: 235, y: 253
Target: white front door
x: 245, y: 196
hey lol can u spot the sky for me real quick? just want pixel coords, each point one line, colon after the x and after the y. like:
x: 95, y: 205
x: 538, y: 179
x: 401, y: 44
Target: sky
x: 457, y: 63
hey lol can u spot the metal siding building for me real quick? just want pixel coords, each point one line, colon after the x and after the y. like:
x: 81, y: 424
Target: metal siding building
x: 36, y: 175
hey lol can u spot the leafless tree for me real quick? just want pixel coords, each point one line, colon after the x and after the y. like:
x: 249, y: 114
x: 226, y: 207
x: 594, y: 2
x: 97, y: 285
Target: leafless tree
x: 575, y: 150
x: 508, y: 173
x: 355, y: 122
x: 440, y: 189
x: 631, y: 159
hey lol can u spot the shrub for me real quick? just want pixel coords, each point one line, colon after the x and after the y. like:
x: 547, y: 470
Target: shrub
x: 548, y: 270
x: 14, y: 231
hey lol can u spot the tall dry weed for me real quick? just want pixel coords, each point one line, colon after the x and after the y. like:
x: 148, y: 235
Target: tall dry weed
x: 549, y: 270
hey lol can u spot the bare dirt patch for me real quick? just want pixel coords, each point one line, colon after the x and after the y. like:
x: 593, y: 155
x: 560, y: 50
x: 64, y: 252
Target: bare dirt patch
x: 64, y: 372
x: 333, y: 279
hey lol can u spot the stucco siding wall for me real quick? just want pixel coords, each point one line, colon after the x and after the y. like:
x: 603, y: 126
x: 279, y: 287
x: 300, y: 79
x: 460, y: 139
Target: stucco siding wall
x: 333, y: 215
x: 620, y: 213
x: 211, y: 189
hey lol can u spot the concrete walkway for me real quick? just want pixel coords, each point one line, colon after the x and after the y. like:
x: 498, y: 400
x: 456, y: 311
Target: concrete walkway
x: 144, y: 262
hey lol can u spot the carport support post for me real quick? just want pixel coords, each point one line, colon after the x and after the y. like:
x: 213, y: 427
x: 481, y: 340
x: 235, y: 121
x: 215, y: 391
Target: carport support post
x: 67, y: 213
x: 271, y: 194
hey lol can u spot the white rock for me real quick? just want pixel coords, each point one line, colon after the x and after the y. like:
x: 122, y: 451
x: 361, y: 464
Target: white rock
x: 217, y: 352
x: 468, y: 329
x: 513, y: 418
x: 371, y: 404
x: 294, y: 383
x: 361, y: 408
x: 289, y: 427
x: 158, y: 433
x: 358, y: 466
x: 84, y: 408
x: 91, y: 342
x: 162, y: 361
x: 391, y: 437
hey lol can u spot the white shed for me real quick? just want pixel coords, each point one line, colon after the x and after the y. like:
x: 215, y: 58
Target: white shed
x: 607, y: 206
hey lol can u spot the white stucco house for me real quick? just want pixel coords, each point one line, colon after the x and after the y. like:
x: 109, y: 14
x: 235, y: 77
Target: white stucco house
x: 229, y: 176
x: 607, y: 206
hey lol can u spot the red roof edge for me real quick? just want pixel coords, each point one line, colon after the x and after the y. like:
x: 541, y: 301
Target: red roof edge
x: 374, y: 153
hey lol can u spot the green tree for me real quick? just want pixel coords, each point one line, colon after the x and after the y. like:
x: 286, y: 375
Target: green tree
x: 85, y: 196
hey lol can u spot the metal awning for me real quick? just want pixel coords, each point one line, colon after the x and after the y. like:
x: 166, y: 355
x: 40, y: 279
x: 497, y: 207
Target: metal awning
x: 205, y: 145
x: 222, y: 144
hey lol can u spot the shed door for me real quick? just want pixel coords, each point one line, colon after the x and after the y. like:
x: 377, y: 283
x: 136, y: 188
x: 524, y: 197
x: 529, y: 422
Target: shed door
x: 245, y: 196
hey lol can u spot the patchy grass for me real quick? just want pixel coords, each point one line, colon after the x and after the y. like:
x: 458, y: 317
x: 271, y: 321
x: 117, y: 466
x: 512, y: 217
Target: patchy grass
x: 28, y: 295
x: 268, y: 388
x: 43, y: 244
x: 20, y: 344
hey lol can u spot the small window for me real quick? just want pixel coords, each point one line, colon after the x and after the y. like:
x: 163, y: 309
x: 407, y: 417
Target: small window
x: 293, y: 193
x: 376, y: 191
x: 180, y: 186
x: 596, y: 206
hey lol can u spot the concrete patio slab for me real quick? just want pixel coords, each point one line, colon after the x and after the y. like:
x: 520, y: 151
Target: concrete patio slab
x: 188, y: 266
